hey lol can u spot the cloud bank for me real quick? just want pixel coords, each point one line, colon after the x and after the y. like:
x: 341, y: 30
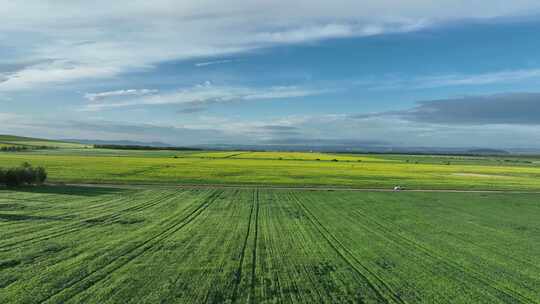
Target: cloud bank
x: 510, y: 109
x: 66, y: 41
x: 194, y: 97
x: 497, y: 121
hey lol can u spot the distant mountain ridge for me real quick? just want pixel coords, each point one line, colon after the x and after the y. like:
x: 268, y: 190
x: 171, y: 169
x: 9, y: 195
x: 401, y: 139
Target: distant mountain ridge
x: 367, y: 148
x: 348, y: 146
x: 488, y: 151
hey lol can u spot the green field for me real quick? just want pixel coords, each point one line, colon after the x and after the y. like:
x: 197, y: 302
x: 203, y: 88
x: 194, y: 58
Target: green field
x: 36, y: 142
x: 144, y: 240
x: 265, y: 168
x: 308, y: 156
x: 107, y: 245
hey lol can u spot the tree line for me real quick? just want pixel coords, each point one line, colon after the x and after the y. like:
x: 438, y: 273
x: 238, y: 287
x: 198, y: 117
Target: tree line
x: 13, y: 148
x: 20, y: 148
x: 25, y: 174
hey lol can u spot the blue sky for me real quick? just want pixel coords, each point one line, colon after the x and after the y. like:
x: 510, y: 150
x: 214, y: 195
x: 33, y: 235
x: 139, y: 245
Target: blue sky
x: 408, y: 73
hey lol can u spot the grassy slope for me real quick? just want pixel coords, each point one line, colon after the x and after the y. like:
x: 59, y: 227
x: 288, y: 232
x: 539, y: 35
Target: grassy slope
x: 201, y: 170
x: 75, y: 245
x: 37, y: 142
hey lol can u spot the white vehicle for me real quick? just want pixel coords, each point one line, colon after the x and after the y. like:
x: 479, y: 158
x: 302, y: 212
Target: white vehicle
x: 398, y: 188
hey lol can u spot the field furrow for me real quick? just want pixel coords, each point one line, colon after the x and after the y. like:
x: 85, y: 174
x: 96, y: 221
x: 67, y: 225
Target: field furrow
x: 167, y: 245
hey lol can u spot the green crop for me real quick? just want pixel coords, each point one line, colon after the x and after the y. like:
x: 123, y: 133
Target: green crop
x: 163, y: 245
x: 268, y: 169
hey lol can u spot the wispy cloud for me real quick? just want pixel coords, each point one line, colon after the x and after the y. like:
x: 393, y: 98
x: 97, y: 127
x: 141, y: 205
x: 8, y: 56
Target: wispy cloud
x: 206, y: 94
x: 141, y: 34
x: 119, y: 93
x: 53, y: 72
x: 448, y: 80
x: 337, y: 30
x: 27, y: 125
x: 477, y: 79
x: 214, y: 62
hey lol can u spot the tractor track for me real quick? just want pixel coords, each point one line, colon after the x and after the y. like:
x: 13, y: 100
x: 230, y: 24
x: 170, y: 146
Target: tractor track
x: 335, y: 243
x: 238, y: 272
x: 254, y: 253
x: 406, y: 242
x: 87, y: 222
x: 132, y: 253
x: 277, y: 187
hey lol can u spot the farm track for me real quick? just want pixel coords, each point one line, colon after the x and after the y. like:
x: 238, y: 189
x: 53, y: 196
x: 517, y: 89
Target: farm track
x: 267, y: 187
x: 129, y: 254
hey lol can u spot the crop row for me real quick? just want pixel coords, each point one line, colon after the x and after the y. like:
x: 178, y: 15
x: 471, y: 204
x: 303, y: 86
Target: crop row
x: 91, y: 245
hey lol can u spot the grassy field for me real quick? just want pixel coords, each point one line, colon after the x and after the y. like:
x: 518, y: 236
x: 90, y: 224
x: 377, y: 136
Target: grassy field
x: 268, y: 169
x: 308, y: 156
x: 36, y: 142
x: 104, y: 245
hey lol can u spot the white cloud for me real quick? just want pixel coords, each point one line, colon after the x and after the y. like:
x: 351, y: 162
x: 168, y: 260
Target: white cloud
x: 55, y: 72
x: 100, y: 39
x: 337, y: 30
x: 119, y: 93
x: 53, y: 128
x: 449, y: 80
x: 207, y: 63
x: 205, y: 94
x: 478, y: 79
x: 330, y: 128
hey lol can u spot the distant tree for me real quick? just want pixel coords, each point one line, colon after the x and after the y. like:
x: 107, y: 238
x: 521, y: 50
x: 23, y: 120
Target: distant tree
x: 13, y: 177
x: 25, y: 174
x: 2, y: 176
x: 40, y: 175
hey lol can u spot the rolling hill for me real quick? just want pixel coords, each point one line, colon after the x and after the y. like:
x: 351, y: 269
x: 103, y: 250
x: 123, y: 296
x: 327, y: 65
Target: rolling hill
x: 12, y: 140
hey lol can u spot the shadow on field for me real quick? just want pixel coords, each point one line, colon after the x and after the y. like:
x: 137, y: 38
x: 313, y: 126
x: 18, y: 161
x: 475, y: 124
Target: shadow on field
x: 67, y: 190
x: 24, y: 217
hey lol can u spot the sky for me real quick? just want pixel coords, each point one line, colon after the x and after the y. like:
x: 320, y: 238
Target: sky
x: 446, y: 73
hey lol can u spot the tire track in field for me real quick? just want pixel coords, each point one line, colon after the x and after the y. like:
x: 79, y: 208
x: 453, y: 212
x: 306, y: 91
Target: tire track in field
x: 132, y: 253
x: 238, y: 273
x: 175, y: 286
x: 233, y: 155
x: 107, y: 202
x: 108, y: 218
x: 87, y: 222
x: 254, y: 254
x: 408, y: 243
x: 491, y: 249
x: 335, y: 243
x: 159, y: 200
